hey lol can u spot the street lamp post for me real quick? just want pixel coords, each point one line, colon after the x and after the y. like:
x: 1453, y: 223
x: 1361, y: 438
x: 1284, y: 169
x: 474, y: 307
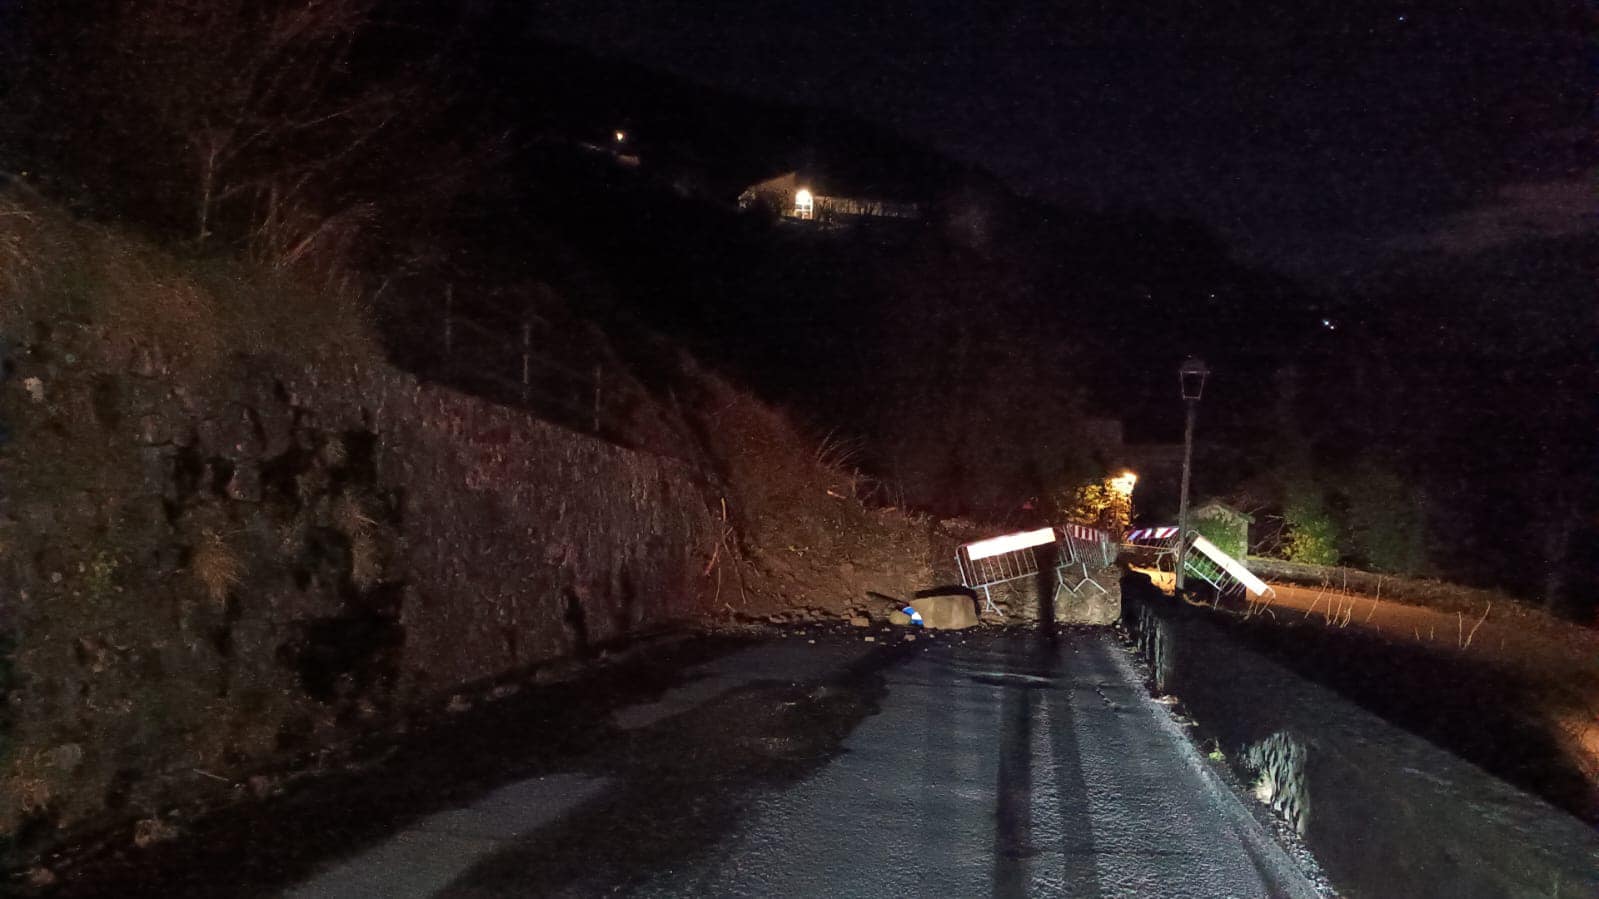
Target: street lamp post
x: 1191, y: 374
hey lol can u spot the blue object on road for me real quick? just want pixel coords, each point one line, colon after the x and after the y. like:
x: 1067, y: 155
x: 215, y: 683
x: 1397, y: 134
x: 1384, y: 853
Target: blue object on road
x: 916, y: 617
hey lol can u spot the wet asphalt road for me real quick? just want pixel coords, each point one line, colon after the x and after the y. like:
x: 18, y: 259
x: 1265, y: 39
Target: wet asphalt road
x: 812, y: 763
x: 989, y: 764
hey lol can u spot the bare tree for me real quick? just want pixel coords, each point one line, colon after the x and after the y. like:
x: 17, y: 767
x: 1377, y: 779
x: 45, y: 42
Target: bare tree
x: 256, y: 90
x: 243, y: 109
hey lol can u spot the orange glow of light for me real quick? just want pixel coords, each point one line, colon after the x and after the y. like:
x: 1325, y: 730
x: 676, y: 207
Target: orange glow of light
x: 1124, y: 483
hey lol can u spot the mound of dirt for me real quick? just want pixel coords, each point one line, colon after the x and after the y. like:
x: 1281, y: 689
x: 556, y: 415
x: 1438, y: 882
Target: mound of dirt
x: 800, y: 535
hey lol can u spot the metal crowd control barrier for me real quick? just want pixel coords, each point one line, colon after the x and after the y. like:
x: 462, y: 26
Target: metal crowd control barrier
x: 1216, y: 568
x: 1163, y: 541
x: 1149, y: 534
x: 998, y: 560
x: 985, y: 564
x: 1082, y: 546
x: 1090, y: 545
x: 1201, y: 558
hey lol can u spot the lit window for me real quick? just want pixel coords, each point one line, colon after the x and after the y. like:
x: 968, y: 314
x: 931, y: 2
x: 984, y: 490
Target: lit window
x: 803, y: 207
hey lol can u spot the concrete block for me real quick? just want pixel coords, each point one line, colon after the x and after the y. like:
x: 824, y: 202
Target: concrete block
x: 949, y: 612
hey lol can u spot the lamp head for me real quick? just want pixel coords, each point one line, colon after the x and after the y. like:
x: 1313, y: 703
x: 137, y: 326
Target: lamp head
x: 1191, y: 374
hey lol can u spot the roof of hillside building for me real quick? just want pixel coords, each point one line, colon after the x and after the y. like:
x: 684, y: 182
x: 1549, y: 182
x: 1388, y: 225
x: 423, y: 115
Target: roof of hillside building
x: 833, y: 183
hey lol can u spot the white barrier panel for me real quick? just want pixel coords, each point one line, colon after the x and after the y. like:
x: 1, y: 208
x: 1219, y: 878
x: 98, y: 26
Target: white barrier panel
x: 1230, y: 565
x: 994, y: 546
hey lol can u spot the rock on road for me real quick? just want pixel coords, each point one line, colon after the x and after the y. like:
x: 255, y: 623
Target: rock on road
x: 985, y: 764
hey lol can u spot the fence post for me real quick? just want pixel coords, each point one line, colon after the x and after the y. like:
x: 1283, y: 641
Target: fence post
x: 527, y: 358
x: 449, y: 327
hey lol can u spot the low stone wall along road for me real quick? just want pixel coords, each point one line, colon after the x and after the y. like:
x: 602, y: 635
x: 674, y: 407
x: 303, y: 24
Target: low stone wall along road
x: 994, y: 763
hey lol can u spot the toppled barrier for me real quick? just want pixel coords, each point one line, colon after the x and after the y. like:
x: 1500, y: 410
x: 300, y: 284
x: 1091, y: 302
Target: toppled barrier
x: 1385, y: 812
x: 1059, y: 575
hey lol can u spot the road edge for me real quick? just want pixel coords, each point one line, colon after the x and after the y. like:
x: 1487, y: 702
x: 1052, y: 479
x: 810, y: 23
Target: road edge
x: 1283, y: 860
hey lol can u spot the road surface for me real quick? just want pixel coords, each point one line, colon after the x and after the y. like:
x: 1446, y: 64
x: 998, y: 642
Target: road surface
x: 982, y: 763
x: 986, y: 765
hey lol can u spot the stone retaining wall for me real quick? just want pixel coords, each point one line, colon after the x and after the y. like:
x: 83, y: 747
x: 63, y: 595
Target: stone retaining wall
x: 201, y: 578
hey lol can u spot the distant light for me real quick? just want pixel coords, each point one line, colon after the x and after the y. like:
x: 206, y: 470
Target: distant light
x: 621, y: 136
x: 1403, y: 18
x: 1329, y: 324
x: 1124, y: 483
x: 803, y: 207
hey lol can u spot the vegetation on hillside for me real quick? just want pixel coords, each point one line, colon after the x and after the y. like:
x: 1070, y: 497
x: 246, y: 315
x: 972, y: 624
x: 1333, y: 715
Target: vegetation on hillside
x: 200, y: 313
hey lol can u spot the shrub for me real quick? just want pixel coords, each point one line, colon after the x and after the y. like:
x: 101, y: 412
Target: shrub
x: 1223, y: 536
x: 366, y: 557
x: 1099, y: 504
x: 1312, y: 534
x: 1386, y: 521
x: 198, y: 312
x: 216, y: 566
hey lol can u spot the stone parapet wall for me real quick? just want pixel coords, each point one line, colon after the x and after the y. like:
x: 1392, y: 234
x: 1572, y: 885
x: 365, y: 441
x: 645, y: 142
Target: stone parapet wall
x: 1385, y: 812
x: 1022, y: 600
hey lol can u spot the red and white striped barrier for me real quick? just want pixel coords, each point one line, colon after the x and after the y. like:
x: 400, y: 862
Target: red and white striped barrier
x: 1089, y: 546
x: 1151, y: 534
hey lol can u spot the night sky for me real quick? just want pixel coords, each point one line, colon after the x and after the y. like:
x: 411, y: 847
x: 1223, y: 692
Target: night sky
x: 1321, y: 138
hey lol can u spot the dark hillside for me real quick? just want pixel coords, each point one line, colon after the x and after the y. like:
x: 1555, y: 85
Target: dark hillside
x: 1057, y: 308
x: 514, y: 248
x: 501, y: 185
x: 1480, y: 373
x: 716, y: 142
